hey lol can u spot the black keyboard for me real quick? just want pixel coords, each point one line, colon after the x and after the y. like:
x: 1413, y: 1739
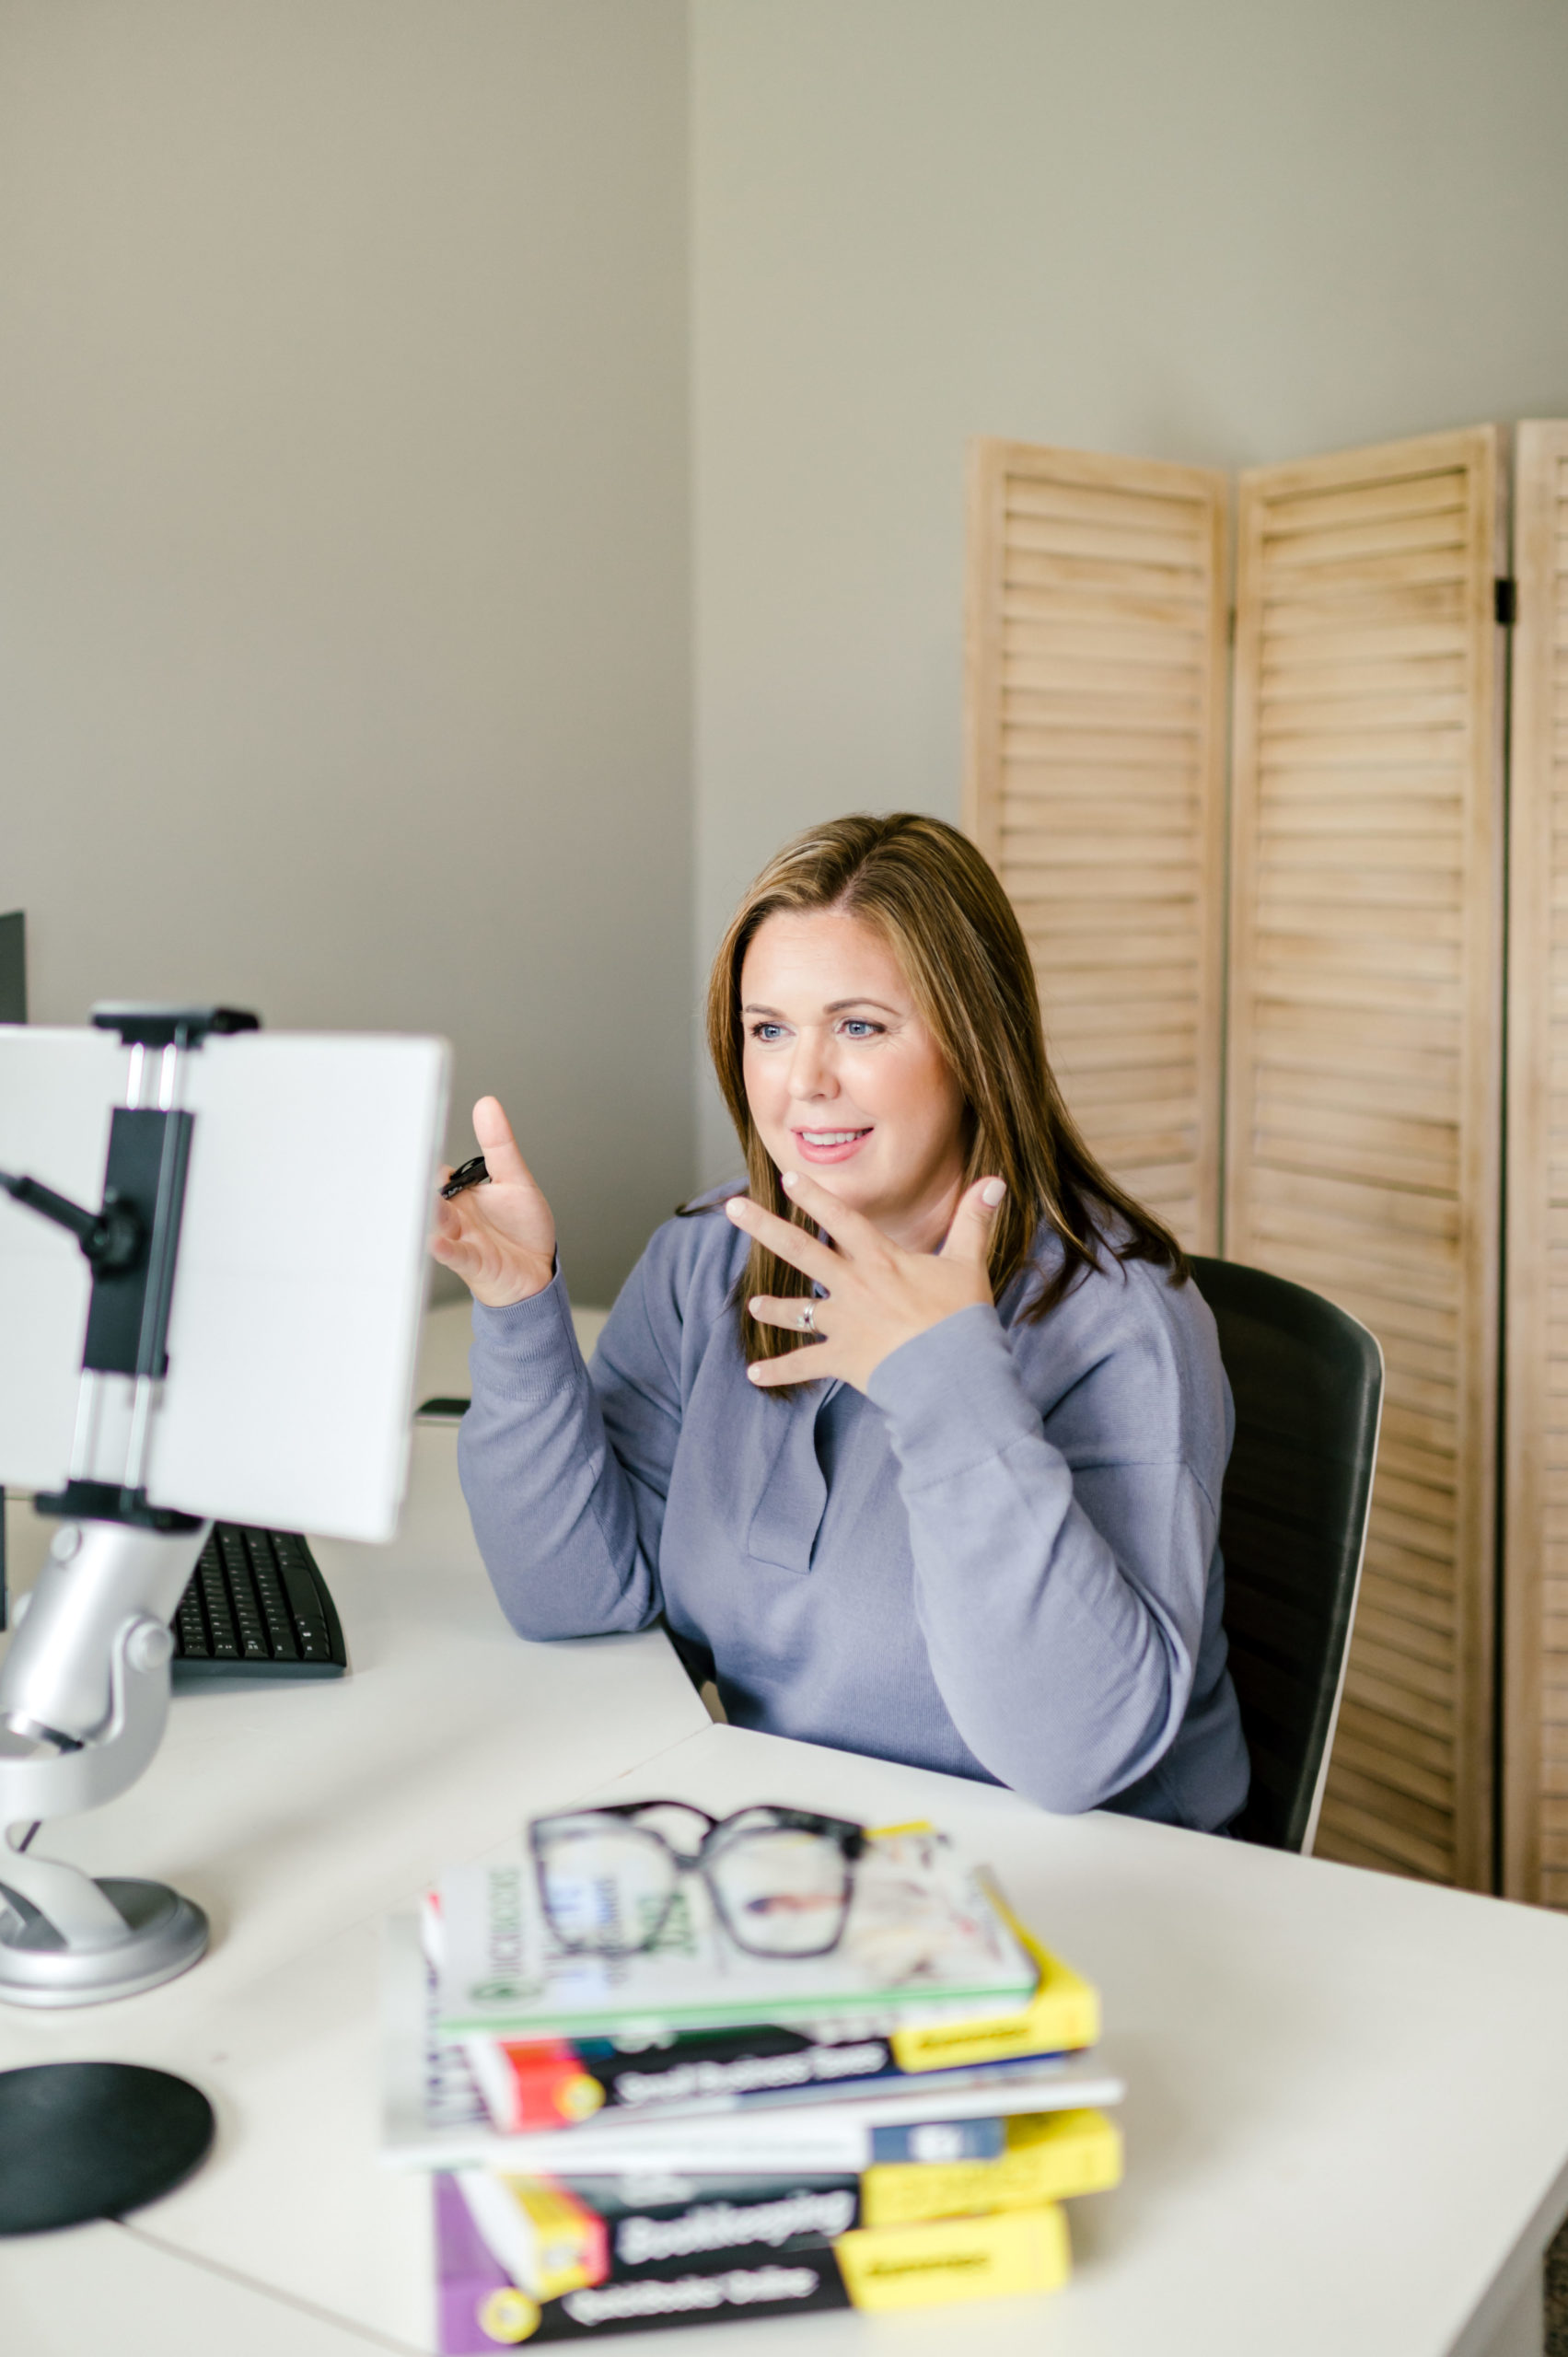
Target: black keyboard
x: 256, y: 1607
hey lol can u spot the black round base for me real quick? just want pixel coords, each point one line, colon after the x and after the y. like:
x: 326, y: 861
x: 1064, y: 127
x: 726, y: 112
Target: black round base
x: 93, y: 2140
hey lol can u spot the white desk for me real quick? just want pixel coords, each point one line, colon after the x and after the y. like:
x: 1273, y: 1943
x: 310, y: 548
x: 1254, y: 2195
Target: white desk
x: 1348, y: 2116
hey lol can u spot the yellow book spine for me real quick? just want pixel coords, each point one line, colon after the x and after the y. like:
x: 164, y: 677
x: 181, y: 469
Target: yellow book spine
x: 1050, y: 2156
x: 547, y: 2241
x: 1063, y: 2013
x: 958, y: 2258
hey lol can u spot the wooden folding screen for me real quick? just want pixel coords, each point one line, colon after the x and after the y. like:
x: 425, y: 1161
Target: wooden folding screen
x: 1364, y: 1144
x: 1094, y: 784
x: 1536, y: 1501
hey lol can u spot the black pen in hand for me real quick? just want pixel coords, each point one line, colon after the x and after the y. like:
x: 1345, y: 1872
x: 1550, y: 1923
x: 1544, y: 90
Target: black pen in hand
x: 471, y: 1173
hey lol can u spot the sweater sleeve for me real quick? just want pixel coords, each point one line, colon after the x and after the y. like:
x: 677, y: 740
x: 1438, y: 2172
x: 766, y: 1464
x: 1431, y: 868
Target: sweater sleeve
x: 1062, y: 1605
x: 566, y: 1473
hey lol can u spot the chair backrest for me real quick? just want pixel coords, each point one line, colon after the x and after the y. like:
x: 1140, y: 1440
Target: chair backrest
x: 1307, y: 1382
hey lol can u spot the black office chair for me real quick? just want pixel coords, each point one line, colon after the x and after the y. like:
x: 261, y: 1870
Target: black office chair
x: 1308, y: 1382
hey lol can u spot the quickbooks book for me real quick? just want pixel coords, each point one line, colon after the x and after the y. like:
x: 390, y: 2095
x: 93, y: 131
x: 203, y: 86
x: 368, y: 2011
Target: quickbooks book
x: 743, y: 2259
x: 553, y: 2235
x: 926, y: 1943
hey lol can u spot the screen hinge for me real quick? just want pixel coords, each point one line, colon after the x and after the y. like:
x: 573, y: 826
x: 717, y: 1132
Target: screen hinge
x: 1505, y: 601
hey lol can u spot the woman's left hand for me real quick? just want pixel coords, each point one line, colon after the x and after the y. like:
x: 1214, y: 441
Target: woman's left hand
x: 878, y: 1294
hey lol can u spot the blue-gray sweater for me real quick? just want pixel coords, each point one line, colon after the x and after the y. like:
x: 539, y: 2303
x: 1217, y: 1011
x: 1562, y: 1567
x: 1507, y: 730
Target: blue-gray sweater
x: 1000, y: 1562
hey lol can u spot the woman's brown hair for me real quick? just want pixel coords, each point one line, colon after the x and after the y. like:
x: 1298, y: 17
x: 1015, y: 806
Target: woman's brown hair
x: 941, y: 910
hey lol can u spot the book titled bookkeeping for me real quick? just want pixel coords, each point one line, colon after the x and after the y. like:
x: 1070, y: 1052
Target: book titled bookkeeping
x: 521, y: 2262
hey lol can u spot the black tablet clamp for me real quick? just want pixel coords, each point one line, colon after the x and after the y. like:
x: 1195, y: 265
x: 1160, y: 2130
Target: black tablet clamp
x: 131, y: 1243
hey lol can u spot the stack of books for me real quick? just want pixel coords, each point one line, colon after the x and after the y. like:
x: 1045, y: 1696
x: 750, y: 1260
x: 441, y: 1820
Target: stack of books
x: 692, y: 2133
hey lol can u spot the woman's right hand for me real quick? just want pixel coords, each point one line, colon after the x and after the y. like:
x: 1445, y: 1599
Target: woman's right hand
x: 499, y: 1236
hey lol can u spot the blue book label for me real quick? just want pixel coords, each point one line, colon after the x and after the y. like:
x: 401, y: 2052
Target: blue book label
x: 940, y: 2140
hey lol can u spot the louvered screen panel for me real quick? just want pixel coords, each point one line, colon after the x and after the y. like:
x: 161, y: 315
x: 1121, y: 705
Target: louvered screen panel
x: 1094, y: 782
x: 1536, y: 1505
x: 1364, y: 1063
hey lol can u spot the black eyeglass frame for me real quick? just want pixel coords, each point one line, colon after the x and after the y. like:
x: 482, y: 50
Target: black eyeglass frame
x: 851, y: 1839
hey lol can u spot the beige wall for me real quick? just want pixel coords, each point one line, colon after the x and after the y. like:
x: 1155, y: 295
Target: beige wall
x: 344, y: 536
x: 1220, y: 232
x: 345, y: 651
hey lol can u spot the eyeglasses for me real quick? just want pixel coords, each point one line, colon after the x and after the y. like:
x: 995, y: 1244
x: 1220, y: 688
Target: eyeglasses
x: 780, y: 1879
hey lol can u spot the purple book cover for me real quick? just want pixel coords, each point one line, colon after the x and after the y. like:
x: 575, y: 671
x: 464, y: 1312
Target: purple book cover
x: 466, y: 2277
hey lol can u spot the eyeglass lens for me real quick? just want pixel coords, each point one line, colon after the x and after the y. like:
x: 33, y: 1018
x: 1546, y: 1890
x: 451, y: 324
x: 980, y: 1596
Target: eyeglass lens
x: 605, y: 1886
x: 780, y: 1890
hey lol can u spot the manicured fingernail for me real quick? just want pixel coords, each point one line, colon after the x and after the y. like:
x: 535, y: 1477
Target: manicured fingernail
x: 732, y: 1205
x: 789, y: 1178
x: 755, y: 1373
x: 755, y: 1305
x: 993, y: 1192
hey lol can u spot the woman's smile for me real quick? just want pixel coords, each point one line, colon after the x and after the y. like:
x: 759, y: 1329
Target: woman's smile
x: 829, y: 1145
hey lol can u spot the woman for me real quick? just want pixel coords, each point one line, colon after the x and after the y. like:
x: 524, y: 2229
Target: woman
x: 971, y: 1523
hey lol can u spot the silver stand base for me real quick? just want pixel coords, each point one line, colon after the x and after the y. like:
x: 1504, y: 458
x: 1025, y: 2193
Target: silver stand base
x: 83, y: 1694
x: 164, y: 1934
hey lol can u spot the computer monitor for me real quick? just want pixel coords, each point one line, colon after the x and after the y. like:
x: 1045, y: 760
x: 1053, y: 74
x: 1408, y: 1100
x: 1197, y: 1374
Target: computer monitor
x: 13, y: 967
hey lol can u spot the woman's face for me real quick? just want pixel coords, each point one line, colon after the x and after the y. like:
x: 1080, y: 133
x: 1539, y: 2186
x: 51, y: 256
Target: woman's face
x: 844, y: 1080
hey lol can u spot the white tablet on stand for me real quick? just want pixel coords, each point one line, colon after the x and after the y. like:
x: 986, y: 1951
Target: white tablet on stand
x: 298, y: 1281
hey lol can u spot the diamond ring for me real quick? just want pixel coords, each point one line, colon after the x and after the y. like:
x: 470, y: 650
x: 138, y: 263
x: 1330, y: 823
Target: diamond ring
x: 808, y: 1317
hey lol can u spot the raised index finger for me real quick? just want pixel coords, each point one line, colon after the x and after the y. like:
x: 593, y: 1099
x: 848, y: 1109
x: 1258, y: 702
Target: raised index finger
x: 782, y: 1236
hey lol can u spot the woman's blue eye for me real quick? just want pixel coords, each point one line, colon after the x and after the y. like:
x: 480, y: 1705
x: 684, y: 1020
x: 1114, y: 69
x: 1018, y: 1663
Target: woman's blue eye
x: 766, y: 1030
x: 857, y: 1027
